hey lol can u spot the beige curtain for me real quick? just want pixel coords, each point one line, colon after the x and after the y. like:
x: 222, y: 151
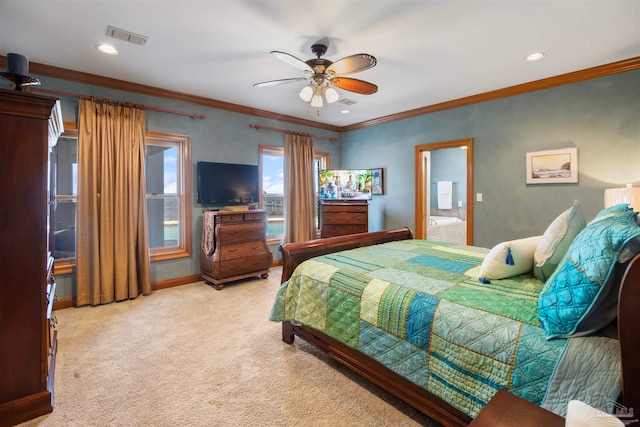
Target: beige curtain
x: 299, y: 191
x: 112, y: 256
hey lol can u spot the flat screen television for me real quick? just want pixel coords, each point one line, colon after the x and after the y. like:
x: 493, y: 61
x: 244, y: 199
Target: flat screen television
x: 225, y: 184
x: 345, y: 184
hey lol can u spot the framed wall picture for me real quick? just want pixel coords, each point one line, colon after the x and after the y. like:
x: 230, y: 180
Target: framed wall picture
x: 377, y: 183
x: 552, y: 166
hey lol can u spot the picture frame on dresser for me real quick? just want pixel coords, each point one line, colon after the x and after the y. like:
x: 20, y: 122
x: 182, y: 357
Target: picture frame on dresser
x: 377, y: 181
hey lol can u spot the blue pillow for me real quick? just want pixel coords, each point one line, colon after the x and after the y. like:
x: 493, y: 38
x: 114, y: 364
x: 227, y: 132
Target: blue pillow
x: 614, y: 210
x: 580, y: 297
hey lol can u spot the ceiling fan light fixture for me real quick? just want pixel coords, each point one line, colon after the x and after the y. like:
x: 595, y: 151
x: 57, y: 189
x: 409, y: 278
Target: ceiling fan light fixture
x: 323, y: 75
x: 331, y: 95
x: 306, y: 93
x: 316, y: 101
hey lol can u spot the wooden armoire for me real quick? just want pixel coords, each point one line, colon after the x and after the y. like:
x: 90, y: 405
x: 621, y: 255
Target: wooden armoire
x: 29, y: 126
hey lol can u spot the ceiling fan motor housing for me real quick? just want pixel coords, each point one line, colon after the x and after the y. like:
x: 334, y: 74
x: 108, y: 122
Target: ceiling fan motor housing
x: 319, y: 65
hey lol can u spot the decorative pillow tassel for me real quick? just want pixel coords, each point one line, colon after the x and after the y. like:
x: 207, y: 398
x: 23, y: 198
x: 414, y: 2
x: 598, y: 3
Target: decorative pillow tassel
x: 509, y: 260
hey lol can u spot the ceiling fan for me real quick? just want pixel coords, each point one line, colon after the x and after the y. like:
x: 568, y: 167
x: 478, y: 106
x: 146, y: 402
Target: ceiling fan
x: 322, y: 74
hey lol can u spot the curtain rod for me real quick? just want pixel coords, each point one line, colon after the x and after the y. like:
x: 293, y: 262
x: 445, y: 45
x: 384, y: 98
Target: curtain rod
x: 111, y: 101
x: 293, y: 132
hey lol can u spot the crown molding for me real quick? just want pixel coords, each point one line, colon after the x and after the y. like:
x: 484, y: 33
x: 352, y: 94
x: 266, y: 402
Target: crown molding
x: 573, y: 77
x: 93, y: 79
x: 563, y: 79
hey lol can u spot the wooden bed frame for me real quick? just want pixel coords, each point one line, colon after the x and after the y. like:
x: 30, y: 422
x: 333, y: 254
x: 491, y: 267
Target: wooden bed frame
x: 295, y: 253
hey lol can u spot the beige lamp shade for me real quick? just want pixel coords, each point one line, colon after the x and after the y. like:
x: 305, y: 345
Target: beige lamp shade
x: 628, y: 194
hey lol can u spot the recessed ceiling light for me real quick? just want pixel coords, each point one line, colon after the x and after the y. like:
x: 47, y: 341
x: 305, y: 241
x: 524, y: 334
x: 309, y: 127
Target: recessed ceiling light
x: 345, y: 111
x: 108, y: 49
x: 536, y: 56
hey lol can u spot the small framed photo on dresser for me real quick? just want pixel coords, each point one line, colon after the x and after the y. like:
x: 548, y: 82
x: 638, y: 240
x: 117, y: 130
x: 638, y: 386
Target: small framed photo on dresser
x: 377, y: 183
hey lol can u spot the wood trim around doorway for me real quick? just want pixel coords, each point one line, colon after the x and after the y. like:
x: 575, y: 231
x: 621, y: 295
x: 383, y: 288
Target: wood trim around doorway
x: 420, y: 226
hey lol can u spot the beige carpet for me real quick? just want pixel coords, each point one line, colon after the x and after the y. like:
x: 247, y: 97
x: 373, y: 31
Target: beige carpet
x: 194, y: 356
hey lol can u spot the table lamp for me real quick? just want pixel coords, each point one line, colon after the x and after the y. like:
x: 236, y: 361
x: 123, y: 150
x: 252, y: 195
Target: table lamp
x: 628, y: 194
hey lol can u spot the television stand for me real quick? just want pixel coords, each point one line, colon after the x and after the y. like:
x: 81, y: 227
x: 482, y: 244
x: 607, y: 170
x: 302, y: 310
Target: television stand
x: 234, y: 246
x: 340, y: 217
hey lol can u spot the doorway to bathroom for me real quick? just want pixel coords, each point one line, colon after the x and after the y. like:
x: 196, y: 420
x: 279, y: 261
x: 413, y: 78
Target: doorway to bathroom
x: 444, y: 189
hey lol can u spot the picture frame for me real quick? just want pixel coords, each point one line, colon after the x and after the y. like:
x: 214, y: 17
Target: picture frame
x: 377, y: 181
x: 552, y: 166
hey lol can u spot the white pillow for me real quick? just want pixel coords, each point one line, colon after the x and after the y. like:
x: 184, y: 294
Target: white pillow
x: 496, y: 266
x: 556, y: 241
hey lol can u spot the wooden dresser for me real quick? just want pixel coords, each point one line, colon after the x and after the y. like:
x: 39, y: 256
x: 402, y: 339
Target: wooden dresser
x: 234, y: 246
x: 340, y: 217
x: 29, y: 126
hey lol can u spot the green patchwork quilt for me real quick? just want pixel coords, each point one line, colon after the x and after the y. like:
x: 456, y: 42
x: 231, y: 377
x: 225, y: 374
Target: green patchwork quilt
x: 417, y: 307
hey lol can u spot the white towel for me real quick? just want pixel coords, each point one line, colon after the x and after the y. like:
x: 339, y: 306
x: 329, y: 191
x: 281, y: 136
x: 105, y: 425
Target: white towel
x: 445, y: 194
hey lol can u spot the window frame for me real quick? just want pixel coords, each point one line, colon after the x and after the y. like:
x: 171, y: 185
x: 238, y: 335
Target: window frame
x: 183, y: 144
x: 65, y: 265
x: 184, y: 248
x: 263, y: 149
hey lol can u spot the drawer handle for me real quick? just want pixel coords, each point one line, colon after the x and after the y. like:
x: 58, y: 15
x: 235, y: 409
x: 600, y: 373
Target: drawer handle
x: 232, y: 251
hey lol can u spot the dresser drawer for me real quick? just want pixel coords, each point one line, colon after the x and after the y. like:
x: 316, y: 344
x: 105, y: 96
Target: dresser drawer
x: 255, y: 216
x: 344, y: 218
x: 241, y: 231
x: 230, y: 217
x: 345, y: 208
x: 244, y: 265
x: 330, y: 230
x: 242, y: 249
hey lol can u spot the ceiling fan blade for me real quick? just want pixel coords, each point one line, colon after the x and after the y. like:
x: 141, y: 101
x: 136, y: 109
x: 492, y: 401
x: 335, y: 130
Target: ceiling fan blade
x: 279, y: 82
x: 352, y: 64
x: 354, y: 85
x: 292, y: 60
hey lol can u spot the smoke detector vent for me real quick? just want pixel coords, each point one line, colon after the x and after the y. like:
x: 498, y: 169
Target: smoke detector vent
x: 347, y: 101
x: 126, y: 36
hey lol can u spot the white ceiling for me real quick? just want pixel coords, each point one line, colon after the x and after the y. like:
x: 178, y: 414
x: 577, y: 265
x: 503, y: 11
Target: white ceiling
x: 428, y: 51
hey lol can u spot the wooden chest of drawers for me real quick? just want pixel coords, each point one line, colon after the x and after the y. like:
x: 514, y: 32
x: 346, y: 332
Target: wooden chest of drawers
x: 237, y: 246
x: 338, y: 218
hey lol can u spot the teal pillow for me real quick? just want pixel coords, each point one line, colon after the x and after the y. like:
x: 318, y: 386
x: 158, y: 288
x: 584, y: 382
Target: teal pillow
x: 580, y: 297
x: 614, y: 210
x: 556, y: 241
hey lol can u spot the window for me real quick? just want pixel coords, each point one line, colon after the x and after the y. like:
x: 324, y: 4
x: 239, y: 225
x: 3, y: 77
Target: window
x: 272, y: 186
x: 168, y: 194
x: 65, y: 159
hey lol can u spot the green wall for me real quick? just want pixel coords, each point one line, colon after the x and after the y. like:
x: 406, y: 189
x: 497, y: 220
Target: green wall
x: 601, y: 117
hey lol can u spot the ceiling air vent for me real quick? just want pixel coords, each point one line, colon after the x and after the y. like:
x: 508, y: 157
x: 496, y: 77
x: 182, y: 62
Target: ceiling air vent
x: 127, y: 36
x: 347, y: 101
